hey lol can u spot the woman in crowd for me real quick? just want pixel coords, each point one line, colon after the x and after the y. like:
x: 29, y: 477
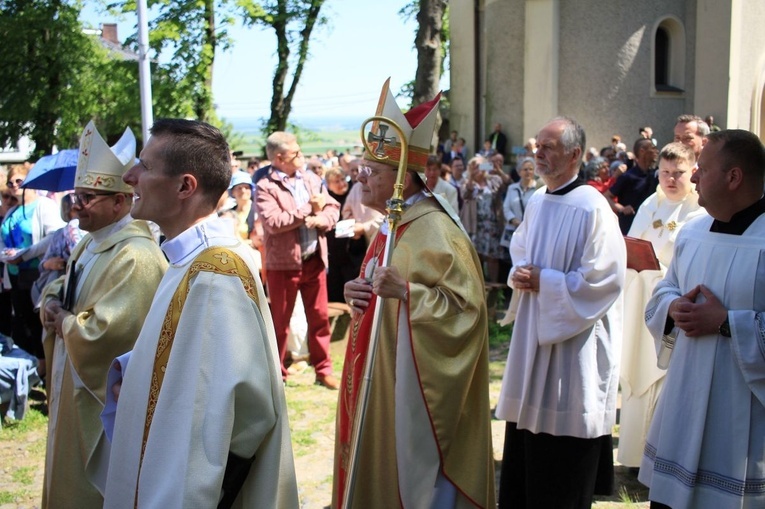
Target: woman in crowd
x: 481, y: 190
x: 345, y: 253
x: 516, y: 198
x: 241, y: 190
x: 597, y: 173
x: 24, y: 236
x: 53, y: 262
x: 658, y: 220
x: 8, y: 200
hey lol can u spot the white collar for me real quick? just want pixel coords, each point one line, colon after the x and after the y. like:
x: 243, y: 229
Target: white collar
x: 180, y: 248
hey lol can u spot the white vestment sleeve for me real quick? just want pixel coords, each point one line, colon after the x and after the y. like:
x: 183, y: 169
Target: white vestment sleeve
x: 748, y: 340
x: 574, y: 301
x: 116, y: 371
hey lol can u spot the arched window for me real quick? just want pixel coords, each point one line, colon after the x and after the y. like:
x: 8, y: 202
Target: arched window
x: 669, y: 56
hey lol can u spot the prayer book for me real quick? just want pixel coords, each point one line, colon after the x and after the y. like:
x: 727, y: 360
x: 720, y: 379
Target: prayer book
x: 640, y: 255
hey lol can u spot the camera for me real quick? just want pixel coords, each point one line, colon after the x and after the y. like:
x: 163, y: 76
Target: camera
x: 485, y: 166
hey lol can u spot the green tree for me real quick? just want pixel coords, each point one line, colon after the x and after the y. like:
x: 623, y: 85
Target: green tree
x: 192, y: 30
x: 293, y: 22
x: 47, y: 63
x: 58, y: 78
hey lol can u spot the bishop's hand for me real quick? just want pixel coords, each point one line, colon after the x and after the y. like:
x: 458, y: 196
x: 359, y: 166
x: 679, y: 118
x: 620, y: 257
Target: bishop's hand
x: 358, y: 293
x: 389, y: 284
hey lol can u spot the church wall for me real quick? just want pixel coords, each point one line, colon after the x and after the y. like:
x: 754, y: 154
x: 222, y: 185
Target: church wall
x: 748, y: 58
x: 606, y: 69
x: 462, y: 91
x: 603, y: 66
x: 504, y: 70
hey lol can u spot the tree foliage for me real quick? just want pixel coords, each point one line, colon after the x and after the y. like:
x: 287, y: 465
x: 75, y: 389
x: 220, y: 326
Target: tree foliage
x: 293, y: 22
x: 58, y: 78
x: 192, y: 30
x: 48, y: 66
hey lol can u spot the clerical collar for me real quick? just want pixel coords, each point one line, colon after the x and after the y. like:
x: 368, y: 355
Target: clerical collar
x: 102, y: 234
x: 741, y: 220
x: 566, y: 188
x: 188, y: 241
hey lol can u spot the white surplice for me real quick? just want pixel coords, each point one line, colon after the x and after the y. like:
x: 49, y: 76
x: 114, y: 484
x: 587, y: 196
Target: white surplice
x: 706, y: 445
x: 222, y: 393
x: 659, y: 221
x: 562, y: 369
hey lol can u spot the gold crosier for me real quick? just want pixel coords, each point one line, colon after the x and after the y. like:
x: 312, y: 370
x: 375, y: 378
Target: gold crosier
x: 395, y: 207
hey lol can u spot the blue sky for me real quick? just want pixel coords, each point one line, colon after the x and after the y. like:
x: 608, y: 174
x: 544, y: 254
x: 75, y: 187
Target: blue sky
x: 365, y: 42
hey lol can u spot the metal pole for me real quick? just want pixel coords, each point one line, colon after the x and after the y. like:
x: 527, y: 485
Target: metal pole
x: 144, y: 70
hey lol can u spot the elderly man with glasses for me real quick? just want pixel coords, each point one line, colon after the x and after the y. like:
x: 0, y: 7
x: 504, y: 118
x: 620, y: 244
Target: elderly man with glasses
x: 92, y: 315
x: 297, y: 211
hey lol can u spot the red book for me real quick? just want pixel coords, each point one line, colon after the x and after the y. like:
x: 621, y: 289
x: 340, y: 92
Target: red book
x: 640, y: 255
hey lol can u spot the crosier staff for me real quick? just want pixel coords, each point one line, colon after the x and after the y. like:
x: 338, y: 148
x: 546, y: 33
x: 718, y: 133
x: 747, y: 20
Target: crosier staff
x: 395, y: 207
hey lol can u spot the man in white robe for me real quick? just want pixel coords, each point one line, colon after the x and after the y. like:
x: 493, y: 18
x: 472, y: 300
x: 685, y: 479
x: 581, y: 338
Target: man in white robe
x: 559, y: 388
x: 706, y: 444
x: 201, y: 417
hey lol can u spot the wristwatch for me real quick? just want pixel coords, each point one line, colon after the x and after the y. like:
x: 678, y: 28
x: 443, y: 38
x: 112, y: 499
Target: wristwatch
x: 724, y: 330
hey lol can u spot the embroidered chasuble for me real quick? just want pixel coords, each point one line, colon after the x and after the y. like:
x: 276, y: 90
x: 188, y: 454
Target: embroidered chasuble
x: 427, y: 422
x: 706, y: 445
x: 203, y: 382
x: 116, y: 279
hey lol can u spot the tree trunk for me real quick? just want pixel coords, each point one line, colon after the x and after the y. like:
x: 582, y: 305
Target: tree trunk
x: 278, y: 120
x: 429, y: 56
x: 203, y: 102
x: 281, y: 104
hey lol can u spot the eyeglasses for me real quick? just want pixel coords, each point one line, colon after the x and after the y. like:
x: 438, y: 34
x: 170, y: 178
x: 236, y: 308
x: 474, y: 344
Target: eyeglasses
x: 84, y: 199
x: 14, y: 183
x: 291, y: 157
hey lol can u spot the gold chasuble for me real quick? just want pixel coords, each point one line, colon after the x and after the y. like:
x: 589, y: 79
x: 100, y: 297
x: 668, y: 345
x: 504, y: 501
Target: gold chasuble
x: 447, y: 323
x: 114, y: 297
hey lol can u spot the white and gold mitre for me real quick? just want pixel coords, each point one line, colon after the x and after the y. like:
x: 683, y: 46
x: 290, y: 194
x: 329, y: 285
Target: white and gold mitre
x: 418, y: 124
x: 101, y: 167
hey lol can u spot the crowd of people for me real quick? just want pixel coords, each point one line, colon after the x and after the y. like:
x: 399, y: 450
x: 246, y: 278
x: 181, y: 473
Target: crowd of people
x: 165, y: 364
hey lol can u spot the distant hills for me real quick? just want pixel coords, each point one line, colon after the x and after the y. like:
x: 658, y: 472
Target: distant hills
x: 251, y: 126
x: 319, y: 134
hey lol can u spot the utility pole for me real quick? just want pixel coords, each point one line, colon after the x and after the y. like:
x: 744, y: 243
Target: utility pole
x: 144, y: 69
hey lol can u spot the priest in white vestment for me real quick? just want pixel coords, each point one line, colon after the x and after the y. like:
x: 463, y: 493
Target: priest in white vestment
x: 658, y: 220
x: 201, y: 417
x: 559, y: 388
x: 706, y: 444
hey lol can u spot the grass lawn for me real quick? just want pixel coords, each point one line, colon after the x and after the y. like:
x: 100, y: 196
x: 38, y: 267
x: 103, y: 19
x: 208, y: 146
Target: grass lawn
x: 312, y: 421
